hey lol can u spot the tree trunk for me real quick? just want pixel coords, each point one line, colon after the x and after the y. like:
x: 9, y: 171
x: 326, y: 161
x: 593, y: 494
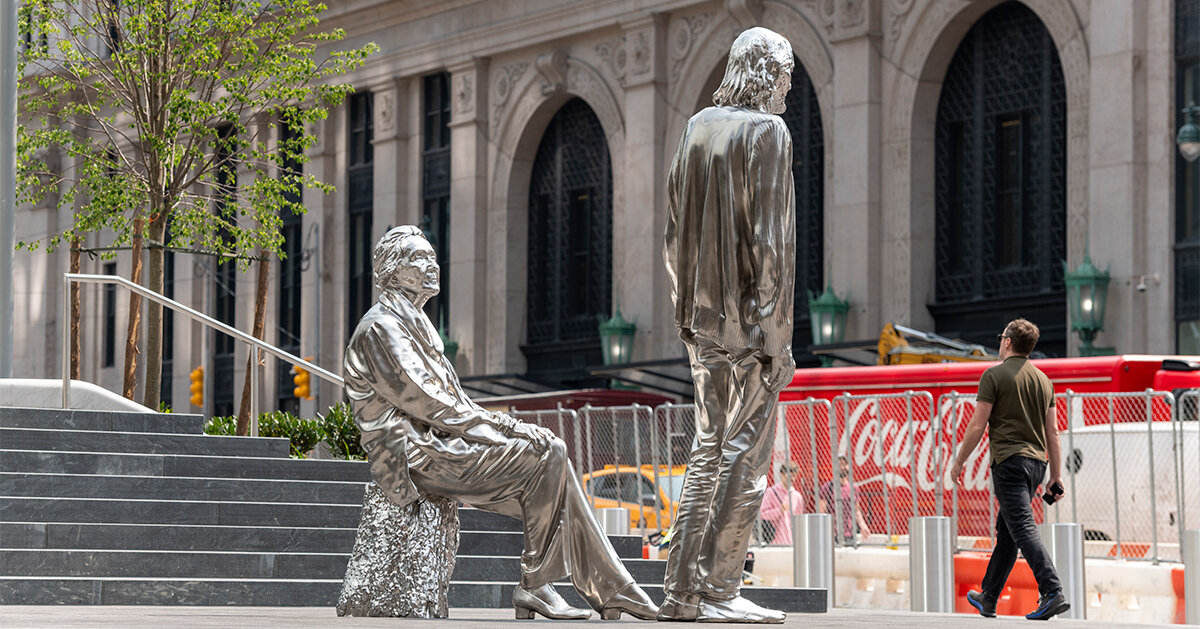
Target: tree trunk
x: 150, y: 398
x: 135, y: 312
x: 260, y: 319
x: 75, y: 244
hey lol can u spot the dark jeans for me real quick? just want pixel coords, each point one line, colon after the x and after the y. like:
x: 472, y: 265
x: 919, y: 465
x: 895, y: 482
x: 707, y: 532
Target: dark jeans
x: 1016, y: 480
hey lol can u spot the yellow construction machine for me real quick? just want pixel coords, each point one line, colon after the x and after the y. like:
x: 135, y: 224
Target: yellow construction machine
x: 895, y: 349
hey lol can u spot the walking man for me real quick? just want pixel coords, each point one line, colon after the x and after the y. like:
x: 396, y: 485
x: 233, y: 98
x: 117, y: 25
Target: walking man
x: 731, y: 256
x: 1016, y: 404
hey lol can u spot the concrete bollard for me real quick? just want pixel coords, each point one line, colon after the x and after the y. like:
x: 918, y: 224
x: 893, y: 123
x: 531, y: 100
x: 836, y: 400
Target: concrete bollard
x: 1191, y: 575
x: 1064, y: 544
x: 614, y: 521
x: 931, y: 564
x: 812, y: 553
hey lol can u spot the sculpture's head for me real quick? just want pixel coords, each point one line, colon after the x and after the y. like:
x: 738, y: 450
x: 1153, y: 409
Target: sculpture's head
x: 759, y: 73
x: 405, y: 261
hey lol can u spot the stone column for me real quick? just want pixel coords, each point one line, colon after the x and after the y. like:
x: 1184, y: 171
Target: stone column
x: 322, y: 288
x: 393, y: 200
x: 1117, y: 223
x: 468, y: 214
x: 853, y: 264
x: 640, y: 285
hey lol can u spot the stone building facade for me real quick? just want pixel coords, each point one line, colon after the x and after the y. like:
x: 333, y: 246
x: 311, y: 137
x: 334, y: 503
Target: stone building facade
x: 949, y: 155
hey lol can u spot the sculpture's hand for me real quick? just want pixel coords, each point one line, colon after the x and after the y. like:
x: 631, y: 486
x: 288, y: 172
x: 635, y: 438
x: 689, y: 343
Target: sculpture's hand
x: 783, y: 369
x: 538, y: 435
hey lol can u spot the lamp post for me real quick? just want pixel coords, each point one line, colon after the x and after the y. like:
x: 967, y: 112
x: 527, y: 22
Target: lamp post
x: 1188, y: 139
x: 1087, y: 294
x: 616, y: 339
x: 828, y: 316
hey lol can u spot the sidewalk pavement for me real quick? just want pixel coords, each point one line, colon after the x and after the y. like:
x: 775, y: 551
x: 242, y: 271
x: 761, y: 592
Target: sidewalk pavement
x: 114, y: 617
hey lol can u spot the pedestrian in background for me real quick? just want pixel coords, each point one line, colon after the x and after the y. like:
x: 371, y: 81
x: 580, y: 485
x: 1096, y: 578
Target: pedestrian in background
x: 847, y: 506
x: 781, y: 500
x: 1016, y: 404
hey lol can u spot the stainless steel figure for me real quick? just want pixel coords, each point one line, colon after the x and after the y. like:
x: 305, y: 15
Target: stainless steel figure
x: 730, y: 254
x: 423, y: 435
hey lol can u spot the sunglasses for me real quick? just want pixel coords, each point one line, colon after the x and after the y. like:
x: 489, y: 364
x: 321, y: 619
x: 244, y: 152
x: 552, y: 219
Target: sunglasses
x: 1000, y: 337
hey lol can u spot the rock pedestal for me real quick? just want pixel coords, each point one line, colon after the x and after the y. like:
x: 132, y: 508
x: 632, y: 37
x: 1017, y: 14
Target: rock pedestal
x: 402, y: 558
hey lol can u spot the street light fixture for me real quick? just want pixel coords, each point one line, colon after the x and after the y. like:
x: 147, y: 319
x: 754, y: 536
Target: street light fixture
x: 1087, y: 294
x: 828, y: 316
x: 616, y: 339
x: 1188, y: 139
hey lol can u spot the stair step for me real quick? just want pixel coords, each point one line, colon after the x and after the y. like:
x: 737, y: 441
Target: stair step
x: 119, y: 463
x: 313, y: 593
x: 180, y: 488
x: 64, y: 536
x: 211, y: 512
x: 247, y: 565
x: 70, y: 419
x: 140, y: 442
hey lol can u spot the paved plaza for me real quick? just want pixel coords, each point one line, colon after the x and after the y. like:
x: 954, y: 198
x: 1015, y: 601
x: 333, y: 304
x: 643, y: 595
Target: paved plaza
x: 104, y: 617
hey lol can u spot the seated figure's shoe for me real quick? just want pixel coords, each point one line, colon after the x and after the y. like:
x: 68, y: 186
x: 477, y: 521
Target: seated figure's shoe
x: 630, y: 600
x: 545, y: 601
x: 679, y: 606
x: 737, y: 609
x: 986, y: 608
x: 1049, y: 605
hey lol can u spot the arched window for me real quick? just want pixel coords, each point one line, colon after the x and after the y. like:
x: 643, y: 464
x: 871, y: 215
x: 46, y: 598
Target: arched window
x: 803, y: 118
x: 1001, y: 182
x: 570, y: 245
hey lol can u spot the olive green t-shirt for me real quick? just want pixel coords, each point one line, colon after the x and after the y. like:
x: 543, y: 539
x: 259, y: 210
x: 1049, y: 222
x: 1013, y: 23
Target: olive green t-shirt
x: 1021, y: 395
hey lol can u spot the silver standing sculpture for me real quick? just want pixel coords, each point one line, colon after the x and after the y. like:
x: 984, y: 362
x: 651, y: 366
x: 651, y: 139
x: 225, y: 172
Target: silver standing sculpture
x: 423, y: 435
x: 730, y: 254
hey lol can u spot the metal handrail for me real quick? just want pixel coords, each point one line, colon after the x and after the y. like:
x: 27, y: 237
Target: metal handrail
x: 192, y: 314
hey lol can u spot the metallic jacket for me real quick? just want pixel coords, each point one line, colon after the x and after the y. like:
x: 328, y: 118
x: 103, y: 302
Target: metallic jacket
x: 406, y: 397
x: 730, y: 200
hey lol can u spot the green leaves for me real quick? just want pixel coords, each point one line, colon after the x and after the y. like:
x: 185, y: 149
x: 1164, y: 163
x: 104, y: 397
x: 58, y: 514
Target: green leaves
x: 188, y: 97
x: 336, y: 428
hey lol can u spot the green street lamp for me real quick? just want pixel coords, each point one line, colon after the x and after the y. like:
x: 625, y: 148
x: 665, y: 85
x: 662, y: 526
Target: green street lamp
x: 1188, y: 139
x: 616, y: 339
x: 1087, y: 293
x: 828, y: 316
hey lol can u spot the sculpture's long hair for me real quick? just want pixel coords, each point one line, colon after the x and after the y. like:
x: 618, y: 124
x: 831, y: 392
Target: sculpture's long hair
x: 389, y: 253
x: 755, y: 59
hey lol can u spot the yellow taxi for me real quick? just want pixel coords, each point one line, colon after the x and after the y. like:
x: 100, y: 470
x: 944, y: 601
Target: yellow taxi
x: 652, y: 499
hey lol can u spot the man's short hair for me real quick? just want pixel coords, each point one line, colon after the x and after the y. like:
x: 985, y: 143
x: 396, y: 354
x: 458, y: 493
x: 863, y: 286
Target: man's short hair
x: 390, y: 253
x: 1024, y: 335
x: 755, y: 59
x: 789, y: 467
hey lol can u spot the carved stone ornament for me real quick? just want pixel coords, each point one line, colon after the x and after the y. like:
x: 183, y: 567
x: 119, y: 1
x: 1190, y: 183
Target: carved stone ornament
x: 614, y: 56
x: 385, y: 111
x: 639, y: 52
x: 682, y: 35
x: 552, y: 66
x: 502, y: 86
x: 463, y: 92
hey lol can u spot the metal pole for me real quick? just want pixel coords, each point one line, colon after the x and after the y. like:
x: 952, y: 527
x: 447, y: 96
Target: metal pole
x: 587, y: 415
x: 1153, y: 495
x: 654, y: 461
x: 931, y: 564
x: 1177, y: 462
x: 1071, y: 447
x: 834, y: 480
x: 912, y: 452
x: 812, y: 448
x: 616, y: 449
x: 812, y: 553
x: 253, y: 390
x: 1112, y: 430
x: 938, y: 475
x: 887, y: 502
x: 8, y: 183
x: 637, y: 457
x: 1065, y: 547
x: 1191, y: 575
x: 66, y: 345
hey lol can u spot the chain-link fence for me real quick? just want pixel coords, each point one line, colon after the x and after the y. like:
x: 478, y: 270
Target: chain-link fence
x: 1130, y: 464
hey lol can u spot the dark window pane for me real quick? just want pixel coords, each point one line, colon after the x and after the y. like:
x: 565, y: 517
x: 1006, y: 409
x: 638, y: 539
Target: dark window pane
x: 110, y: 317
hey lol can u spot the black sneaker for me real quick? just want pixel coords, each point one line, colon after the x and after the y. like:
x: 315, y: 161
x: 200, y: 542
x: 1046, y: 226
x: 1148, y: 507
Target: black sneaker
x: 1048, y: 606
x: 986, y: 608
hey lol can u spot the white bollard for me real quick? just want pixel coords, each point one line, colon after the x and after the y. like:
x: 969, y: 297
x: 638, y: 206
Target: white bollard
x: 931, y: 564
x: 1191, y: 575
x: 614, y: 521
x: 1064, y: 544
x: 812, y: 553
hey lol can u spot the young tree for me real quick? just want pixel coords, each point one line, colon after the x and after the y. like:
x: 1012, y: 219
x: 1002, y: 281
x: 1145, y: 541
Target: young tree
x: 151, y: 102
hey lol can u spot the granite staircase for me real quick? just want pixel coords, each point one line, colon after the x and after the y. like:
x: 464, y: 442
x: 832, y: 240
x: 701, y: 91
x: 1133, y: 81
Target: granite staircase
x: 115, y: 508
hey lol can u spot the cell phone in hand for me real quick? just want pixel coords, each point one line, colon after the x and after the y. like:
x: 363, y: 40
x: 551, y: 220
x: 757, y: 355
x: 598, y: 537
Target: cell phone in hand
x: 1052, y: 493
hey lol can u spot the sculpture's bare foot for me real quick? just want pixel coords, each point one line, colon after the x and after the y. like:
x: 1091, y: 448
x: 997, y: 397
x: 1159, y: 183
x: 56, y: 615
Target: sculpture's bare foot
x: 630, y: 600
x: 545, y: 601
x: 737, y: 609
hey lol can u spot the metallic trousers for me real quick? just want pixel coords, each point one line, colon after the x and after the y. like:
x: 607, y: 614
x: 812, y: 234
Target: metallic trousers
x: 726, y: 475
x: 562, y: 536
